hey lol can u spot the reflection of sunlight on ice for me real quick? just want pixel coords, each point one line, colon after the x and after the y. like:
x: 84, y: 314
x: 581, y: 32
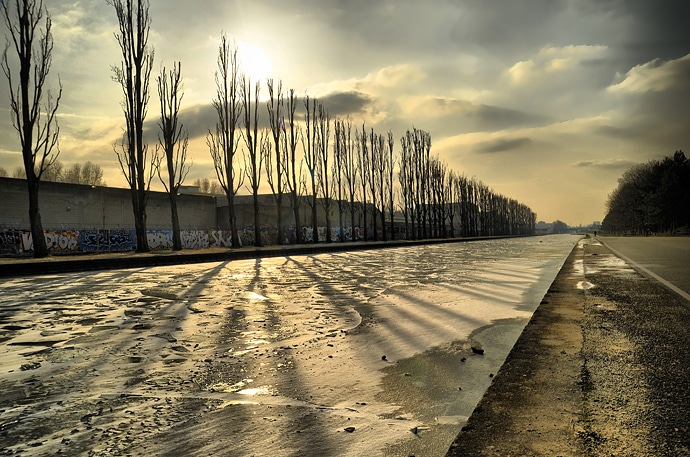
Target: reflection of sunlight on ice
x: 225, y: 387
x: 280, y: 320
x: 258, y: 341
x: 256, y: 297
x: 263, y: 390
x: 238, y: 388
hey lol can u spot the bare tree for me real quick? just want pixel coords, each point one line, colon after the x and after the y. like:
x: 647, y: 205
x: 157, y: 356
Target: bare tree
x: 88, y: 173
x: 51, y: 173
x: 54, y: 173
x: 364, y: 167
x: 406, y: 178
x: 451, y: 198
x: 173, y: 140
x: 133, y: 75
x: 339, y: 141
x: 293, y: 171
x: 380, y: 167
x: 254, y: 158
x: 326, y: 185
x: 208, y: 186
x: 3, y: 172
x: 275, y: 154
x: 33, y: 109
x: 389, y: 181
x: 374, y: 153
x: 92, y: 174
x: 223, y: 141
x: 350, y: 171
x: 311, y: 159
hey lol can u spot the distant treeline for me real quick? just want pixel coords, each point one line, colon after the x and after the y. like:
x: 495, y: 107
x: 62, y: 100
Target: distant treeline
x: 651, y: 197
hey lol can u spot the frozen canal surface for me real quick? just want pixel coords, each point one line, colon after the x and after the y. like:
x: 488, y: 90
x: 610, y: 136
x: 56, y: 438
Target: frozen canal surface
x: 269, y: 357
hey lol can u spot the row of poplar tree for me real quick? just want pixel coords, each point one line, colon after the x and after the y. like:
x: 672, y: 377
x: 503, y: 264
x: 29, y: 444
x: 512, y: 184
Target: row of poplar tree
x: 297, y: 156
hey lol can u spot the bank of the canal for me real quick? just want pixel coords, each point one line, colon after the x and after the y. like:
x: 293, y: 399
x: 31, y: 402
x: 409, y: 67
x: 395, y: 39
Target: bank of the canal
x: 601, y: 369
x: 360, y: 353
x: 65, y: 263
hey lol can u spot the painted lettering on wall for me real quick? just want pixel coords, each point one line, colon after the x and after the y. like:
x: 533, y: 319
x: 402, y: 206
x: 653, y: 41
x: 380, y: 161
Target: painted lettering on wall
x: 14, y: 242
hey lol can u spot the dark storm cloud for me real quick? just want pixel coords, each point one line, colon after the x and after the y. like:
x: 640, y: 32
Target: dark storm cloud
x: 614, y: 131
x: 197, y: 120
x: 653, y: 98
x: 344, y: 103
x: 505, y: 24
x: 453, y: 116
x: 502, y: 145
x: 502, y: 118
x: 660, y: 28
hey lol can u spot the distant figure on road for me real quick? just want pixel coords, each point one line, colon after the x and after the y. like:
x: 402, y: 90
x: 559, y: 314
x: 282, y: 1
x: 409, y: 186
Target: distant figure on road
x: 595, y: 234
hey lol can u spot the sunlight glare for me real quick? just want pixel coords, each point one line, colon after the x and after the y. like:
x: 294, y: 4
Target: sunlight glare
x: 253, y: 62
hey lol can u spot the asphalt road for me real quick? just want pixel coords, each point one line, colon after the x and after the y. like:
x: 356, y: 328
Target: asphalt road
x: 666, y: 258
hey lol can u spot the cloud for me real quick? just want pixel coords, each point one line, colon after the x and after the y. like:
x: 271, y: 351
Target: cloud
x: 503, y: 144
x: 656, y: 76
x: 605, y: 164
x: 344, y: 103
x: 453, y: 116
x: 198, y: 119
x: 551, y: 62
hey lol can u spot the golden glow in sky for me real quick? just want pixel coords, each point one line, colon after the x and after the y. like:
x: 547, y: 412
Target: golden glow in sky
x: 253, y: 62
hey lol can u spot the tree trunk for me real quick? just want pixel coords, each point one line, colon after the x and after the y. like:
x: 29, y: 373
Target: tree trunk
x: 257, y: 226
x: 295, y: 212
x: 279, y: 215
x: 140, y: 220
x: 232, y: 219
x: 314, y: 218
x: 177, y: 238
x: 40, y: 247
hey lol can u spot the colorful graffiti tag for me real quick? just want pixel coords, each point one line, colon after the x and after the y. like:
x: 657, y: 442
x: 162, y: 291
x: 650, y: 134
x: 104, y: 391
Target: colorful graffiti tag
x: 14, y: 242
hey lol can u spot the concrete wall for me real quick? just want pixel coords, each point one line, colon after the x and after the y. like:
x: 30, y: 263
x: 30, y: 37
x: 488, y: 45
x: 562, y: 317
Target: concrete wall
x: 81, y: 218
x: 76, y: 207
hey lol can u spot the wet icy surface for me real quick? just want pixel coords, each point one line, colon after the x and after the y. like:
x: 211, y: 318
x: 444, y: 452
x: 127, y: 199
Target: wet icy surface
x: 279, y: 356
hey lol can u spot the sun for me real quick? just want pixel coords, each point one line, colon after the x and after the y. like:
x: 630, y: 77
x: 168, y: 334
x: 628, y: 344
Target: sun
x: 253, y: 62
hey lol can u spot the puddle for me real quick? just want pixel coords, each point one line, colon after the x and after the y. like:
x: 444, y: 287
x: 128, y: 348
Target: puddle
x: 585, y: 285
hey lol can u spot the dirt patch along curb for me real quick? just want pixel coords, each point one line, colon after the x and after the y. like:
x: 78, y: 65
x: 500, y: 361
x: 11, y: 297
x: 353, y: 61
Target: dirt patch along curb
x: 534, y: 405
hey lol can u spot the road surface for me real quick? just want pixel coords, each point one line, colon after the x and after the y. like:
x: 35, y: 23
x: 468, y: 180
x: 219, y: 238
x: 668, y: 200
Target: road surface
x: 666, y: 259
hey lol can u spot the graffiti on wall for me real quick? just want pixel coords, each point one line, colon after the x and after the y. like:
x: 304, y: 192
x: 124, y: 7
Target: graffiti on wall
x: 201, y: 239
x: 248, y: 238
x: 15, y: 242
x: 64, y: 241
x: 160, y: 240
x: 194, y: 239
x: 11, y: 242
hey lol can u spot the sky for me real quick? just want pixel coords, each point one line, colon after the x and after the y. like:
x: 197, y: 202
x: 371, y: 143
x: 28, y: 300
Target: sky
x: 545, y: 101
